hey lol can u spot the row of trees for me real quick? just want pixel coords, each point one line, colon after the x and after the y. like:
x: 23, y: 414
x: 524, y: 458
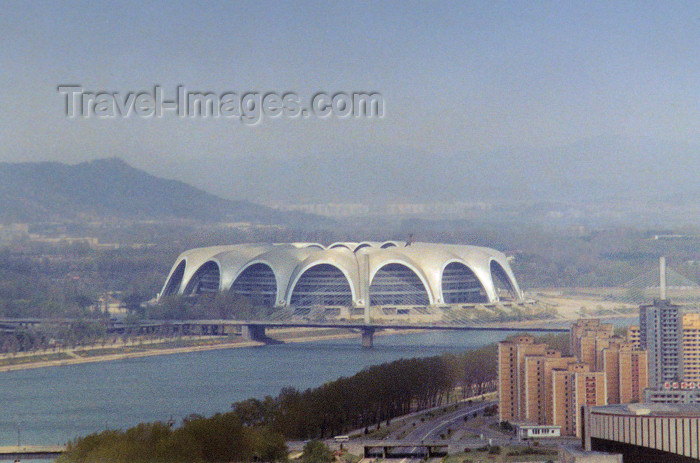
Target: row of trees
x: 79, y: 332
x: 223, y: 305
x: 22, y: 340
x: 376, y: 394
x: 255, y: 430
x: 373, y: 395
x: 220, y: 438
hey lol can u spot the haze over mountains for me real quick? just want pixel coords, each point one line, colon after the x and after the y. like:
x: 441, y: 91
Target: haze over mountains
x: 112, y: 189
x: 594, y: 172
x: 590, y: 171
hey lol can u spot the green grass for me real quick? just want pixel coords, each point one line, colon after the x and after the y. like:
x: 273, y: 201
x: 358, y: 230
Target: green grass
x: 155, y: 346
x: 111, y: 351
x: 379, y: 434
x: 509, y: 454
x: 34, y: 359
x: 350, y: 458
x: 97, y: 351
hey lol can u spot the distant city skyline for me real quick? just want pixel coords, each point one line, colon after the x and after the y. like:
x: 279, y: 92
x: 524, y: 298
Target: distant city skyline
x: 462, y: 80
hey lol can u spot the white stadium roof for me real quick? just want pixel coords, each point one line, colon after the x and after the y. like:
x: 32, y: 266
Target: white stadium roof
x: 346, y: 274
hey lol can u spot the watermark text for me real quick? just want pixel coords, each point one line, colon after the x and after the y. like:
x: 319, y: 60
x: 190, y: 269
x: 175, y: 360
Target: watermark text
x: 248, y: 107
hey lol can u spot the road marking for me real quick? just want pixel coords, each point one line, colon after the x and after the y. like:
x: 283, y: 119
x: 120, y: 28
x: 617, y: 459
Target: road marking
x: 442, y: 423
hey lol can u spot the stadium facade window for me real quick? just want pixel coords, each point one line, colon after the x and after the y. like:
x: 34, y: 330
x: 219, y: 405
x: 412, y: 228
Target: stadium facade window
x: 205, y: 280
x: 175, y: 281
x: 322, y: 285
x: 501, y: 282
x: 258, y: 284
x: 460, y: 285
x: 396, y: 284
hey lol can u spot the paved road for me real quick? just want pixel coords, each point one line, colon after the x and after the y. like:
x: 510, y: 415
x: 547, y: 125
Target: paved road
x: 431, y: 429
x: 437, y: 425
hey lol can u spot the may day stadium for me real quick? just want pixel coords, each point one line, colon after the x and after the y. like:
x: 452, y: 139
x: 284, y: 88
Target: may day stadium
x: 345, y: 280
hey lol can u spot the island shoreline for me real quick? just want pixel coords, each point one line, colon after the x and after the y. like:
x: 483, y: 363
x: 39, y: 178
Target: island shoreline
x: 304, y: 337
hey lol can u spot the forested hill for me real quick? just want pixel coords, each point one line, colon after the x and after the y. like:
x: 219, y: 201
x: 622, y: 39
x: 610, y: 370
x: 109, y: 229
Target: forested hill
x: 110, y: 188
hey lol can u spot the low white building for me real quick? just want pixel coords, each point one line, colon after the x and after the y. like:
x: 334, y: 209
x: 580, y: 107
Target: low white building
x: 536, y: 431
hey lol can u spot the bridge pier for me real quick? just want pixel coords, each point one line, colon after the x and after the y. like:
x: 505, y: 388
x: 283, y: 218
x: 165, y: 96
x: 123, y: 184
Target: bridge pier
x: 254, y: 333
x: 367, y: 338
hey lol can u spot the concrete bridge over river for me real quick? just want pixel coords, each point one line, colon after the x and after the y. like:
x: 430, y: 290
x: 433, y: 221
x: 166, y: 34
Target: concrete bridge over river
x: 256, y: 329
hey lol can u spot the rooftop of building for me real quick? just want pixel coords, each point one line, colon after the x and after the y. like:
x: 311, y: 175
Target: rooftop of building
x: 650, y: 409
x: 661, y: 303
x: 533, y: 425
x: 519, y: 339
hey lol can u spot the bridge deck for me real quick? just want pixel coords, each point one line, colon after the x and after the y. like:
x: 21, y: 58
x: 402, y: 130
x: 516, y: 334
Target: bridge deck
x: 545, y: 326
x: 404, y: 449
x: 13, y: 452
x: 379, y: 326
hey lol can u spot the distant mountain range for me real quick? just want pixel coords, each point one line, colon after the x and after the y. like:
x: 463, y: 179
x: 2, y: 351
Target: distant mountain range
x: 110, y: 188
x: 594, y: 172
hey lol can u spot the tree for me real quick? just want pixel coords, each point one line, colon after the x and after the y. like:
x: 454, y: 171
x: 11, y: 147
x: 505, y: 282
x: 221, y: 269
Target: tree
x: 133, y: 303
x: 316, y: 451
x: 268, y: 445
x: 84, y: 331
x: 83, y: 301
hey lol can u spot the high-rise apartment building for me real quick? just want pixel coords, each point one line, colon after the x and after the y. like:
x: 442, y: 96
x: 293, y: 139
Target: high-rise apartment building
x: 531, y: 388
x: 552, y: 364
x: 625, y: 366
x: 609, y: 362
x: 538, y: 385
x: 633, y: 336
x: 659, y: 335
x: 537, y: 406
x: 532, y: 406
x: 585, y: 335
x: 689, y: 354
x: 512, y: 375
x: 633, y: 375
x: 573, y: 388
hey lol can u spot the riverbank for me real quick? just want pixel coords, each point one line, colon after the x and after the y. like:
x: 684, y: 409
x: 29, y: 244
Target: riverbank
x: 146, y: 348
x: 120, y: 350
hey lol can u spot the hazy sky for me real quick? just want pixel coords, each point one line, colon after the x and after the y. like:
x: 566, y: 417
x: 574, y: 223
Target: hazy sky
x: 456, y: 77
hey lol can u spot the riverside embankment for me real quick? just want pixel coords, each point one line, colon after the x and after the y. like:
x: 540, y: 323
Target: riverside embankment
x: 120, y: 350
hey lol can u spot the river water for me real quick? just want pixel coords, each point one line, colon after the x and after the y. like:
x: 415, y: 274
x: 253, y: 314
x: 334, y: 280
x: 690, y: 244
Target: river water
x: 53, y: 405
x: 49, y: 406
